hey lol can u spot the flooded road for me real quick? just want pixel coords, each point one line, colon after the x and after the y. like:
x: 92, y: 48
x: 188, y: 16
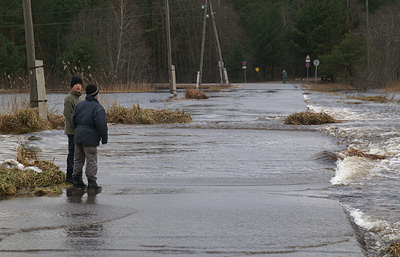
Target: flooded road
x: 235, y: 182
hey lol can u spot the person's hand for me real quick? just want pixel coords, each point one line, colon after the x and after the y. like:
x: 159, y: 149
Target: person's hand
x: 104, y: 141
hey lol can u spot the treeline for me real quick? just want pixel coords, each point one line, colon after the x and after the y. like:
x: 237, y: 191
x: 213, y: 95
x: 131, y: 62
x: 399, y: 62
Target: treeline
x: 122, y: 42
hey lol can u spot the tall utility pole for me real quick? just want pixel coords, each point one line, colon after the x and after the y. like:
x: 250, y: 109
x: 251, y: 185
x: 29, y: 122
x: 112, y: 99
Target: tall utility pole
x: 203, y: 39
x: 224, y: 76
x: 172, y: 85
x: 30, y: 49
x: 366, y: 9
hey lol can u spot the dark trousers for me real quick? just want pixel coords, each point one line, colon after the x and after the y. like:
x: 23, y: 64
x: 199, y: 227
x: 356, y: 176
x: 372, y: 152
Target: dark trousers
x: 70, y: 156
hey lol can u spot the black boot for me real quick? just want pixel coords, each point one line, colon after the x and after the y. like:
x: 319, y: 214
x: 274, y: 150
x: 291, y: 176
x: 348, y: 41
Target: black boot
x: 78, y: 182
x: 69, y: 177
x: 92, y: 185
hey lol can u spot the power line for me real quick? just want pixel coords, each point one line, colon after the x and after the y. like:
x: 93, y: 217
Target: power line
x: 94, y: 21
x: 83, y: 22
x: 86, y: 10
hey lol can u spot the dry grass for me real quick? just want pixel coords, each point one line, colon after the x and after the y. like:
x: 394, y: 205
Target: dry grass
x: 376, y: 99
x: 195, y: 94
x: 392, y: 87
x: 137, y: 115
x: 15, y: 181
x: 27, y: 120
x: 309, y: 118
x: 358, y: 153
x: 392, y: 250
x: 123, y: 88
x: 328, y: 88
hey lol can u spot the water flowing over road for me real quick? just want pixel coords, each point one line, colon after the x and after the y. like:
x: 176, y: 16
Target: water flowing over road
x: 236, y: 181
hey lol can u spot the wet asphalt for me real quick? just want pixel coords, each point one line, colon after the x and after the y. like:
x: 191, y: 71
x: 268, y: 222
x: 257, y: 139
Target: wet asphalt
x: 235, y: 182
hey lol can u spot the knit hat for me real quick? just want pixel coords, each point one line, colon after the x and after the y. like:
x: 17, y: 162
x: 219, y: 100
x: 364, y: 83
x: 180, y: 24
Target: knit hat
x: 75, y: 80
x: 92, y: 90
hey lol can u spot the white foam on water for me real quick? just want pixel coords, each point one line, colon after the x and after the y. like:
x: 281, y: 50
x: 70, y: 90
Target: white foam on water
x: 366, y: 222
x: 350, y: 169
x: 381, y: 232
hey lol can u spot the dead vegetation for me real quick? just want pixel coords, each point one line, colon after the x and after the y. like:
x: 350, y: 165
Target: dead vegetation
x: 328, y: 88
x: 353, y: 152
x: 334, y: 156
x: 376, y: 99
x: 392, y: 250
x: 137, y: 115
x: 17, y: 181
x: 336, y: 88
x: 309, y: 118
x: 195, y: 94
x: 27, y: 120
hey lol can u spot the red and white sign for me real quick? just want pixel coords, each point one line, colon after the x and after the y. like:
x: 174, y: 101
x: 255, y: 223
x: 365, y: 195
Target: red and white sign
x: 308, y: 58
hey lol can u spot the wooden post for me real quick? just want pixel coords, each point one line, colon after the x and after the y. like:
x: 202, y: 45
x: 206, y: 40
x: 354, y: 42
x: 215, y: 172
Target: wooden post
x: 168, y: 27
x: 221, y: 62
x: 41, y: 89
x: 173, y: 80
x: 203, y: 39
x: 30, y: 49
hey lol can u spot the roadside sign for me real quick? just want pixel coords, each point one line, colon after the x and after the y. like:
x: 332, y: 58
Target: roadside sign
x: 244, y: 67
x: 244, y: 63
x: 308, y: 58
x: 316, y: 63
x: 257, y: 69
x: 307, y: 64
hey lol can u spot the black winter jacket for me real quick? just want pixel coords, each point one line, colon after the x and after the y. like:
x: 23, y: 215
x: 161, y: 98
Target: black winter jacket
x: 90, y: 122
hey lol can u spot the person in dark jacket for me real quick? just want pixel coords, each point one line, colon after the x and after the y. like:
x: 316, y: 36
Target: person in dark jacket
x: 90, y: 123
x: 70, y: 101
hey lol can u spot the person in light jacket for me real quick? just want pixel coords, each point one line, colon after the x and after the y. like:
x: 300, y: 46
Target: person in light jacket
x: 90, y: 123
x: 70, y: 101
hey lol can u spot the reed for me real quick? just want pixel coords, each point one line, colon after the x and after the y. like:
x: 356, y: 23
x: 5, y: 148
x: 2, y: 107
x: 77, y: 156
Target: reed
x: 309, y: 118
x: 137, y: 115
x: 392, y: 250
x: 26, y: 120
x: 15, y: 181
x: 195, y: 94
x: 106, y: 80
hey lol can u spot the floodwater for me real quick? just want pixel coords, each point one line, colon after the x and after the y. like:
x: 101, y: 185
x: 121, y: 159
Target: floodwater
x: 234, y: 182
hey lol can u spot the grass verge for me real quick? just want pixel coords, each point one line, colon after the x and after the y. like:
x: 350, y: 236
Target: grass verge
x: 17, y: 181
x: 392, y: 250
x: 376, y: 99
x: 309, y: 118
x: 137, y: 115
x: 328, y: 88
x: 27, y: 120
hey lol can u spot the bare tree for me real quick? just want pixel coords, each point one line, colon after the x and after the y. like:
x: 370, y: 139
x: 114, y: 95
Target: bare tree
x: 385, y: 37
x: 122, y: 40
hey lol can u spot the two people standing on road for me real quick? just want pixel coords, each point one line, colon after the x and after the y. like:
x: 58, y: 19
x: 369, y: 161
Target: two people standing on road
x: 85, y: 126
